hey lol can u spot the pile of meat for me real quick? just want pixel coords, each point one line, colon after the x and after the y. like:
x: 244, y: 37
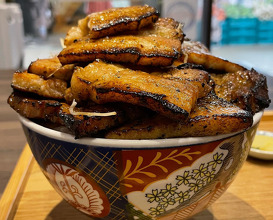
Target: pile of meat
x: 126, y: 73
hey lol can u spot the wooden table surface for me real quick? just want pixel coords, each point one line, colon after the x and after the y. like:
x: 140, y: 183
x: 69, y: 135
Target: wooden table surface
x: 28, y: 194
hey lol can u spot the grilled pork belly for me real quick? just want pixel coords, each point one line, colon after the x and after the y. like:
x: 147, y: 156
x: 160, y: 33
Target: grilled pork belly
x: 51, y: 68
x: 197, y: 77
x: 163, y: 27
x: 146, y: 50
x: 197, y: 53
x: 111, y: 22
x: 194, y: 46
x: 211, y: 116
x: 50, y: 88
x: 102, y: 82
x: 35, y: 107
x: 82, y: 125
x: 246, y: 89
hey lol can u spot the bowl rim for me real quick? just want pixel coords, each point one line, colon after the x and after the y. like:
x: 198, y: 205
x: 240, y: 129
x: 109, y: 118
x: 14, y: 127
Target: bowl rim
x: 126, y: 143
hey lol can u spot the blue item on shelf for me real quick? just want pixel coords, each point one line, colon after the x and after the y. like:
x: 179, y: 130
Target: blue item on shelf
x: 246, y: 31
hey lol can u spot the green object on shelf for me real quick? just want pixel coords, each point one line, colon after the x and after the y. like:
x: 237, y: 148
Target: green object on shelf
x: 238, y: 11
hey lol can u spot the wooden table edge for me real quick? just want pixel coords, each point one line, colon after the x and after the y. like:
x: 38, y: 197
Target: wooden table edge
x: 267, y: 116
x: 16, y: 184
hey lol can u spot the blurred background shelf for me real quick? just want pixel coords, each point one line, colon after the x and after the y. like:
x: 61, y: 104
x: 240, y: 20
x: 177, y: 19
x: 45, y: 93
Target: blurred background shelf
x: 246, y: 31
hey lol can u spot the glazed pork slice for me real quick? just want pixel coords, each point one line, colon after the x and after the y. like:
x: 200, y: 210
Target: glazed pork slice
x: 35, y: 107
x: 105, y: 117
x: 112, y: 22
x: 182, y: 73
x: 197, y: 53
x: 194, y: 46
x: 246, y: 89
x: 102, y: 82
x: 28, y: 82
x: 210, y: 116
x: 138, y: 50
x: 80, y: 121
x: 51, y: 68
x: 163, y: 27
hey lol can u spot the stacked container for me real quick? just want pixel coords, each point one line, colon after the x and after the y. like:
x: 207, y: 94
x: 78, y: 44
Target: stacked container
x: 11, y: 36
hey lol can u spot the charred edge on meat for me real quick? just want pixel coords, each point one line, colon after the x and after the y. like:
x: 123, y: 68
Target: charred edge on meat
x: 190, y: 66
x: 127, y: 20
x: 246, y: 117
x: 142, y: 95
x: 131, y: 51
